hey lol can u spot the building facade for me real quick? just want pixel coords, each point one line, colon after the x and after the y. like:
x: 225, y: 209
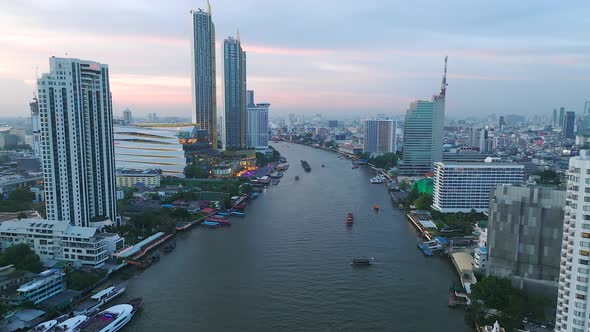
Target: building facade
x: 573, y: 299
x: 149, y: 178
x: 234, y: 80
x: 462, y: 187
x: 257, y: 131
x: 127, y: 116
x: 379, y: 136
x: 46, y: 285
x: 423, y: 133
x: 203, y: 82
x: 152, y: 147
x: 59, y: 241
x: 524, y: 236
x: 76, y: 117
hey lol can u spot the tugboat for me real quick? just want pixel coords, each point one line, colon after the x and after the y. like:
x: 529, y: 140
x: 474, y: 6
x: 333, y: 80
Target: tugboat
x: 376, y: 208
x: 349, y: 219
x: 362, y: 261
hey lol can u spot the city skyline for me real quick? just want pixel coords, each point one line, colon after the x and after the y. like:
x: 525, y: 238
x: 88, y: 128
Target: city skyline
x: 493, y: 51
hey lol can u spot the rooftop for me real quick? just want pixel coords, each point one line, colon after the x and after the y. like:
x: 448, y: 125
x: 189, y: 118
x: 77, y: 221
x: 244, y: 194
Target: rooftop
x: 140, y: 172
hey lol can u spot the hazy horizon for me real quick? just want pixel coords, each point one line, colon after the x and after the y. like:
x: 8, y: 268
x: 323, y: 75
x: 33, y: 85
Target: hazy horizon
x: 337, y: 58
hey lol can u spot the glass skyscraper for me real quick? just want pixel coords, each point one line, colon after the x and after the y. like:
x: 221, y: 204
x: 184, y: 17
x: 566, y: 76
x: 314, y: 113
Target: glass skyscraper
x: 234, y: 83
x: 203, y: 73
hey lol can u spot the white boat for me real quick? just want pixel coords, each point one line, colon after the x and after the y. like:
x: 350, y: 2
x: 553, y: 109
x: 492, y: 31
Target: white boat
x: 377, y: 179
x: 71, y: 324
x: 97, y: 300
x: 45, y: 326
x: 113, y: 318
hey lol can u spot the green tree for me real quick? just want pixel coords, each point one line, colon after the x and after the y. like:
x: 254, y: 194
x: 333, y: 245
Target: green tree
x: 22, y: 257
x: 196, y: 172
x: 423, y: 202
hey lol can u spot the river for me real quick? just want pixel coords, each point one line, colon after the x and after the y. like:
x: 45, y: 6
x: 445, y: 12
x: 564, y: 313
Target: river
x: 286, y: 265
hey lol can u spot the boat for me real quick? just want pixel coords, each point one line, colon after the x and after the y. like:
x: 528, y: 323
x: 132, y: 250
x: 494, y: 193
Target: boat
x: 113, y: 318
x: 45, y: 326
x: 378, y: 179
x: 71, y: 324
x: 297, y: 177
x: 238, y: 214
x: 323, y: 165
x: 155, y: 256
x: 306, y: 166
x: 349, y: 218
x: 169, y: 247
x: 212, y: 224
x: 362, y: 261
x: 97, y: 300
x: 355, y: 166
x: 376, y: 207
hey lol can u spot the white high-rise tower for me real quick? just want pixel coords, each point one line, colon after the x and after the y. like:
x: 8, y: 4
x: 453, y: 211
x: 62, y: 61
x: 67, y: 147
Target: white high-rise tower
x: 77, y: 141
x: 573, y: 299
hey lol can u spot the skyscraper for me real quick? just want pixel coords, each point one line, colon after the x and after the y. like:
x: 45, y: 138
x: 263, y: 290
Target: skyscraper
x: 234, y: 83
x: 203, y: 84
x: 77, y: 141
x: 379, y: 136
x: 36, y: 124
x: 249, y: 98
x: 568, y: 125
x: 554, y: 124
x: 561, y: 115
x: 573, y: 301
x: 423, y: 133
x: 256, y: 123
x: 587, y: 108
x: 501, y: 122
x: 127, y: 116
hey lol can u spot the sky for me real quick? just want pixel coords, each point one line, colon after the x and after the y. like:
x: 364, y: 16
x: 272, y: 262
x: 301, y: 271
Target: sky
x: 335, y: 57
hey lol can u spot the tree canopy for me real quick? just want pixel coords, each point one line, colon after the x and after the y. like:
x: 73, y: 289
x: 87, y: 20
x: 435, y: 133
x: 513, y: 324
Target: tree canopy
x: 22, y: 257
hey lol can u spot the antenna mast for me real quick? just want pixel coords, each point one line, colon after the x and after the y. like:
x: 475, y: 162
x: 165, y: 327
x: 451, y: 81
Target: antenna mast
x: 443, y: 86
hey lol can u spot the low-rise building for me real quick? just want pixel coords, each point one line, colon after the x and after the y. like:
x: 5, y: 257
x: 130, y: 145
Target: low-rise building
x: 463, y: 187
x: 149, y: 178
x: 48, y: 284
x: 59, y: 241
x: 480, y: 258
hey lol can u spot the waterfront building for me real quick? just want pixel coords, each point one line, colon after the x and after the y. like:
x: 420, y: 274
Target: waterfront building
x: 36, y: 128
x: 524, y: 236
x: 423, y: 133
x: 149, y: 178
x: 257, y: 131
x: 379, y: 136
x: 203, y: 84
x: 573, y: 300
x: 234, y: 80
x: 46, y: 285
x: 76, y: 115
x: 568, y: 125
x: 127, y: 116
x: 152, y: 147
x: 56, y: 241
x: 462, y: 187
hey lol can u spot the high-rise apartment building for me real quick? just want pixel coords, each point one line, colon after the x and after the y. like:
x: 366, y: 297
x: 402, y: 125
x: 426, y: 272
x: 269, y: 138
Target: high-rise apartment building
x: 524, y: 236
x: 203, y: 84
x: 423, y: 133
x: 587, y: 108
x: 36, y: 126
x: 555, y: 121
x: 127, y: 116
x: 234, y: 83
x: 573, y: 299
x: 462, y: 187
x: 249, y: 98
x: 257, y: 125
x: 569, y: 122
x: 379, y: 136
x: 77, y: 141
x: 501, y: 122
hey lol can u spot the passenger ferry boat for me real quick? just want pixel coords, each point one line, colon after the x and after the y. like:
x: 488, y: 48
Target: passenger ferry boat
x: 45, y: 326
x: 103, y: 297
x: 113, y: 318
